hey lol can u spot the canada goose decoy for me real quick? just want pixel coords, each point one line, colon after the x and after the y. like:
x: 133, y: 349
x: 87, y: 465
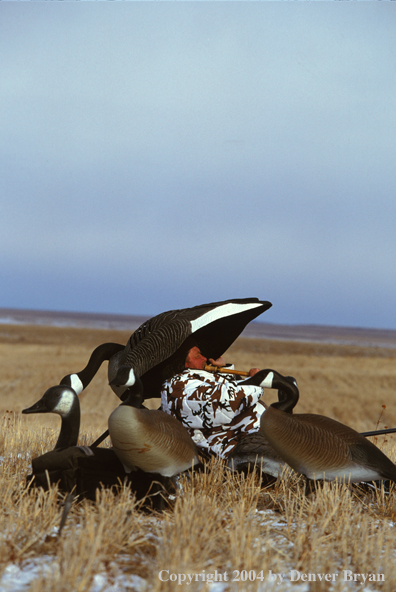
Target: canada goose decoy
x: 83, y: 467
x: 150, y: 440
x: 318, y: 446
x: 158, y: 348
x: 62, y: 400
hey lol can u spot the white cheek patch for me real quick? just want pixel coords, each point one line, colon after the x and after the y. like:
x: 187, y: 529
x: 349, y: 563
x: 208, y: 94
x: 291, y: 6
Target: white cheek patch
x: 268, y: 380
x: 76, y: 384
x: 65, y: 403
x: 131, y: 378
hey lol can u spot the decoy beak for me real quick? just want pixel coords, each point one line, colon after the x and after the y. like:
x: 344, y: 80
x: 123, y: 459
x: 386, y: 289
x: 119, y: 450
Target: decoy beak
x: 39, y: 407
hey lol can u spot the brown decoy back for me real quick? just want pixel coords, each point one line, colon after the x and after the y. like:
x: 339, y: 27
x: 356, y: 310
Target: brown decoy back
x: 318, y: 446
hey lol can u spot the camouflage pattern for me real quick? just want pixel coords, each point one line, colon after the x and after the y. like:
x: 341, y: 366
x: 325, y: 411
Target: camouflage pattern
x: 217, y: 409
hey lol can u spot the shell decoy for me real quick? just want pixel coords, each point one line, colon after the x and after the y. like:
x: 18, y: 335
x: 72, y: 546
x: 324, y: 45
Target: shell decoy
x: 317, y: 446
x: 150, y: 440
x: 63, y: 401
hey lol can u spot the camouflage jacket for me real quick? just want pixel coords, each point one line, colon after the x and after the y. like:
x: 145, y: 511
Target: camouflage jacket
x: 216, y: 409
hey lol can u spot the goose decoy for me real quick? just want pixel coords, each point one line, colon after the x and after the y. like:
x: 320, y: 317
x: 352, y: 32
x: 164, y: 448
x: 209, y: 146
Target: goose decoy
x: 62, y: 400
x: 150, y: 440
x: 317, y: 446
x: 85, y: 469
x: 158, y: 348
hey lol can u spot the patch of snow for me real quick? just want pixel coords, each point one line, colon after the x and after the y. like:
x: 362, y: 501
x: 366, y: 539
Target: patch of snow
x: 217, y: 586
x: 17, y: 578
x: 124, y: 582
x: 285, y: 586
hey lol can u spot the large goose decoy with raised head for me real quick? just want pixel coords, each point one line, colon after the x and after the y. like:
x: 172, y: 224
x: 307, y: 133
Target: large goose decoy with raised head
x: 150, y: 440
x: 63, y: 401
x: 318, y: 446
x: 158, y: 348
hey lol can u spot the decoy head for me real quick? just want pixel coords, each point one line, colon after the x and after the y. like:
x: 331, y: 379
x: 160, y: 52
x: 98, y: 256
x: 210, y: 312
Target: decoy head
x: 288, y: 393
x: 125, y: 377
x: 58, y: 399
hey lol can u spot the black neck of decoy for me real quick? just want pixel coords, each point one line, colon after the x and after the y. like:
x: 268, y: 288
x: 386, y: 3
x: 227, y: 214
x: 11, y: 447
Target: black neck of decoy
x: 288, y: 393
x: 70, y: 428
x: 100, y: 354
x: 133, y: 396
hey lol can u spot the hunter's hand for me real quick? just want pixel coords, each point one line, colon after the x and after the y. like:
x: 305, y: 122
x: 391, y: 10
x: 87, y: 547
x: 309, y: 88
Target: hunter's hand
x: 219, y: 362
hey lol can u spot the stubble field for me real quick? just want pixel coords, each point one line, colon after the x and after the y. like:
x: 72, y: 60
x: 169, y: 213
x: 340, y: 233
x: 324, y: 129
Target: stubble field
x: 219, y: 525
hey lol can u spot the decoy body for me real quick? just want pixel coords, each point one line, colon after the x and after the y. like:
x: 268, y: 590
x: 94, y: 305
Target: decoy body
x: 318, y: 446
x: 150, y: 440
x: 63, y: 401
x: 156, y: 349
x: 254, y: 450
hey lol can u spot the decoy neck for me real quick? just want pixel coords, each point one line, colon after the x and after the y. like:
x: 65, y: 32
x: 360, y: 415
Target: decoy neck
x: 288, y: 393
x: 80, y: 380
x: 133, y: 396
x: 63, y: 401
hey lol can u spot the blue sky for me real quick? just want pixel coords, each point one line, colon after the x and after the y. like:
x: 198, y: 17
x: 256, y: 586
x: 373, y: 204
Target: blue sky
x: 160, y: 155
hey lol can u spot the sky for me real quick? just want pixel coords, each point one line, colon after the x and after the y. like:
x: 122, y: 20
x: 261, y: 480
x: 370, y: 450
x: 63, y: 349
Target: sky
x: 160, y: 155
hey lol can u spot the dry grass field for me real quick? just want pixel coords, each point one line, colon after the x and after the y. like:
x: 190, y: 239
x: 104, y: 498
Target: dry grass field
x: 219, y: 525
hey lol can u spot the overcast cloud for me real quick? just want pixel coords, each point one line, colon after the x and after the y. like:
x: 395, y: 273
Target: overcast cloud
x: 160, y: 155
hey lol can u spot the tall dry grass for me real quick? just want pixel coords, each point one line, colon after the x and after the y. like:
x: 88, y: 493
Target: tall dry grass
x: 218, y: 522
